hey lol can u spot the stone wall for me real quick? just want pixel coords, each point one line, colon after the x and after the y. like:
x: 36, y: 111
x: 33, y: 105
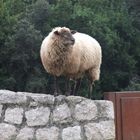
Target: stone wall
x: 30, y: 116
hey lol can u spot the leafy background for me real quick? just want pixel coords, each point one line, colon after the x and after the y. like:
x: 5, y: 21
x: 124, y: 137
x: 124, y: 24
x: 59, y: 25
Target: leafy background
x: 25, y: 23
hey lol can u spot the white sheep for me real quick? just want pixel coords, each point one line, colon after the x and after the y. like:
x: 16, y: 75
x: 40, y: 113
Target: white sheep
x: 64, y: 52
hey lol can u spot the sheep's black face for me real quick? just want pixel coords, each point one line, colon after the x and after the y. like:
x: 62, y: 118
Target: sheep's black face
x: 66, y: 37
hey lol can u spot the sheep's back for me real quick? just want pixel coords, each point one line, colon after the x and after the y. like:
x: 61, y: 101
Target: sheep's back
x: 90, y: 51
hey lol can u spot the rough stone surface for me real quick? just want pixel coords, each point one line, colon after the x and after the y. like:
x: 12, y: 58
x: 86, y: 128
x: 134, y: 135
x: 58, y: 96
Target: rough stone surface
x: 72, y: 133
x: 42, y: 98
x: 38, y: 116
x: 31, y: 116
x: 62, y: 114
x: 60, y: 99
x: 14, y: 115
x: 7, y: 131
x: 48, y: 134
x: 107, y: 129
x: 74, y: 99
x: 100, y: 131
x: 91, y: 131
x: 26, y: 134
x: 1, y: 110
x: 86, y: 110
x: 7, y: 96
x: 106, y: 109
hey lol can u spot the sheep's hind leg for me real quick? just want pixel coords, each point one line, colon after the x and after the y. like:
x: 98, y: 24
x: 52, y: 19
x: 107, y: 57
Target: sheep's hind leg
x: 93, y: 75
x: 90, y: 89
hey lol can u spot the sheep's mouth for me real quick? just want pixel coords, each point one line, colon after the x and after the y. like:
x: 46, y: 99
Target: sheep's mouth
x: 69, y: 43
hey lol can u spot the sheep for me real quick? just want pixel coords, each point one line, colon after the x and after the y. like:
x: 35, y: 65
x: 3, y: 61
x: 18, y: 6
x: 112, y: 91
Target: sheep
x: 71, y: 54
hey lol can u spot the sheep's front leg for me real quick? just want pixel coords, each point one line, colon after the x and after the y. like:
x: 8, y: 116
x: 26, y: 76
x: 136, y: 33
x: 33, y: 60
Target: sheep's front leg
x: 90, y: 90
x: 55, y: 86
x: 68, y: 87
x: 74, y: 88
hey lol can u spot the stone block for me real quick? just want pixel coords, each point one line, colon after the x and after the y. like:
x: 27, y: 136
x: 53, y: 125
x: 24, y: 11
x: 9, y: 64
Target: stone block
x: 72, y: 133
x: 106, y: 109
x: 47, y: 133
x: 104, y: 130
x: 41, y: 98
x: 38, y: 116
x: 11, y: 97
x: 85, y: 111
x: 75, y: 99
x: 14, y: 115
x: 26, y: 134
x: 7, y: 131
x: 62, y: 114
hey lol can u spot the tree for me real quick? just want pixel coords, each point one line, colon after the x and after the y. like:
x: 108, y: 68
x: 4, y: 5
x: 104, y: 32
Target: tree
x: 8, y: 18
x: 24, y: 53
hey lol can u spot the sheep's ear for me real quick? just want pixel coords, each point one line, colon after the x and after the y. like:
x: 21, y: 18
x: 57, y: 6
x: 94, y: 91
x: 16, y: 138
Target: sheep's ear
x: 73, y: 31
x: 57, y: 33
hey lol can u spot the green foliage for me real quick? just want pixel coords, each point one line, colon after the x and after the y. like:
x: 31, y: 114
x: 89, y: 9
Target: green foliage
x: 24, y: 24
x: 39, y: 15
x: 23, y: 52
x: 134, y: 84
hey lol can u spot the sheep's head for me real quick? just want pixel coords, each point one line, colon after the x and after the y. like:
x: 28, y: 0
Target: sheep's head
x: 64, y: 35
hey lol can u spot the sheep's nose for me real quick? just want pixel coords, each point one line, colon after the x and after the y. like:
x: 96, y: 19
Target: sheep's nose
x: 73, y: 40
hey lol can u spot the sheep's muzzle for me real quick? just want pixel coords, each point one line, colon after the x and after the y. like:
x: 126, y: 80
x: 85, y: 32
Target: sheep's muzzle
x: 72, y: 40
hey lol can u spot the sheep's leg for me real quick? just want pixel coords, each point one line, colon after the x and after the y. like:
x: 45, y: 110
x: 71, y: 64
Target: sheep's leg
x: 90, y: 89
x: 55, y: 86
x: 72, y: 88
x: 68, y: 88
x: 76, y: 86
x: 93, y: 75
